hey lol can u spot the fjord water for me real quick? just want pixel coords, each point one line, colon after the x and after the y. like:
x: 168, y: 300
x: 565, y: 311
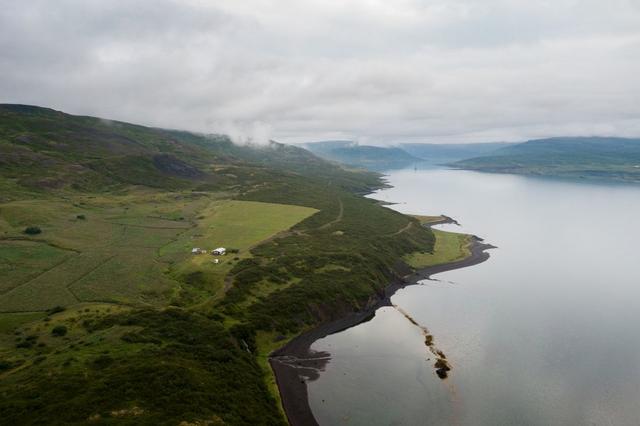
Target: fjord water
x: 546, y: 332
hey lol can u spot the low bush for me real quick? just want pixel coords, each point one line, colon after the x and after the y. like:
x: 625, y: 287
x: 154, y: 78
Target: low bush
x: 59, y: 330
x: 55, y: 310
x: 32, y: 230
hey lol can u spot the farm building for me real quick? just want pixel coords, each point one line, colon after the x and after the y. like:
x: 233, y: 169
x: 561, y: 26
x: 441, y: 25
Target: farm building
x: 197, y: 250
x: 220, y: 251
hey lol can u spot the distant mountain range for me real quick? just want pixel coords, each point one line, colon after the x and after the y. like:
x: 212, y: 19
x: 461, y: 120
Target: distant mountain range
x: 605, y: 158
x: 448, y: 153
x: 571, y: 157
x: 363, y: 156
x: 387, y: 158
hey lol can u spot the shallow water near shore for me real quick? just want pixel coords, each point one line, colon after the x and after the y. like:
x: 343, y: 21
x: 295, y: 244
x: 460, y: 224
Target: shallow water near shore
x: 543, y: 333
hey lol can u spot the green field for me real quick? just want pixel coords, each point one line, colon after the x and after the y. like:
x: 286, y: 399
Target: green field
x: 233, y: 224
x: 21, y: 261
x: 126, y: 250
x: 449, y: 247
x: 426, y: 220
x: 10, y: 322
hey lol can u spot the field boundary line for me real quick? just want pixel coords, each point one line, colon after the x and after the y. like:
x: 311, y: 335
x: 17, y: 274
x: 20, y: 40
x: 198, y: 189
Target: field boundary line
x: 337, y: 219
x: 150, y: 227
x: 66, y: 259
x: 68, y: 286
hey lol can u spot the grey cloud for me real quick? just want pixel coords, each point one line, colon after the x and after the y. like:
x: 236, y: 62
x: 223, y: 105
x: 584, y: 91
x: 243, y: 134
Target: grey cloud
x: 384, y: 72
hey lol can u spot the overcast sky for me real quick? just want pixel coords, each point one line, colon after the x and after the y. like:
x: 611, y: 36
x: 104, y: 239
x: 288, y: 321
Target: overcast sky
x: 377, y: 71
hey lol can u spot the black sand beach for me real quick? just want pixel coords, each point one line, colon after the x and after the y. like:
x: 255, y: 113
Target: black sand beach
x: 295, y: 363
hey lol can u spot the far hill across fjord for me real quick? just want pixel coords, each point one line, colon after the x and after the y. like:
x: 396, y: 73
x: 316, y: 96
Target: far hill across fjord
x: 382, y: 158
x: 606, y: 158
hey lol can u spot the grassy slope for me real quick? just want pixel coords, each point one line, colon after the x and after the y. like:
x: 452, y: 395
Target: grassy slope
x: 449, y: 247
x: 179, y: 339
x: 595, y: 158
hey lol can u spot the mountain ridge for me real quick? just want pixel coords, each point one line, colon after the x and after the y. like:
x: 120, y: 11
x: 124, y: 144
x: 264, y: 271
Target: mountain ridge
x: 588, y: 157
x: 89, y: 153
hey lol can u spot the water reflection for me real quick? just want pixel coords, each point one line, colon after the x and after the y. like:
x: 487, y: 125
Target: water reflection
x: 544, y: 333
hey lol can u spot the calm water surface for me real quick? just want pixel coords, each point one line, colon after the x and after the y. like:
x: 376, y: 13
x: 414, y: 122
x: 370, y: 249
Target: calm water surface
x: 544, y: 333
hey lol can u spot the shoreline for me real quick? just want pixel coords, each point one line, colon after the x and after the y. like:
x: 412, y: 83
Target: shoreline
x: 295, y: 363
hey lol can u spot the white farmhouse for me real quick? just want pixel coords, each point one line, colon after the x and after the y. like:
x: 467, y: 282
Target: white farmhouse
x: 220, y: 251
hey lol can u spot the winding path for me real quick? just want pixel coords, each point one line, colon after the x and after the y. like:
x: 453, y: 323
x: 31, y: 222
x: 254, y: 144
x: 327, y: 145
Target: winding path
x: 337, y: 219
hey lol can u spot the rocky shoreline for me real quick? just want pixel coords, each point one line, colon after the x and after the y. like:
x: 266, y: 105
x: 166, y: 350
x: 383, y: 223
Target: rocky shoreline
x: 295, y: 363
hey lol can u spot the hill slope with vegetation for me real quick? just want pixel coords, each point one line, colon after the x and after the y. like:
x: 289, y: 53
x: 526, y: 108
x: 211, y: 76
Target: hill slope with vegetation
x: 106, y: 315
x: 615, y: 159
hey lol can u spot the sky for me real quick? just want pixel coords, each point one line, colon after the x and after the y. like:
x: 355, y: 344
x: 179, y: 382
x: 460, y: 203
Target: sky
x: 375, y: 71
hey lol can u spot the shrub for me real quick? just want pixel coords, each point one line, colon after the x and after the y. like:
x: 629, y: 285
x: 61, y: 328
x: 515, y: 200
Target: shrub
x: 32, y: 230
x: 59, y: 330
x: 103, y: 361
x: 55, y: 310
x: 134, y: 337
x: 26, y: 344
x: 215, y: 316
x: 81, y: 217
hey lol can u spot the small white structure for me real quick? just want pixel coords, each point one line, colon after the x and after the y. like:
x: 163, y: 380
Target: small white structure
x: 197, y: 250
x: 216, y: 261
x: 220, y: 251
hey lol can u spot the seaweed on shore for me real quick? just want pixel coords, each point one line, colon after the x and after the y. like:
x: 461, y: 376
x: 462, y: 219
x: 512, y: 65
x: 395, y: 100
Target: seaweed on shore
x: 441, y: 365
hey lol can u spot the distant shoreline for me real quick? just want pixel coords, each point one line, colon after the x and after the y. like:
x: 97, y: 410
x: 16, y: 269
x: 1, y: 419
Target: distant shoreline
x: 295, y: 360
x: 577, y: 176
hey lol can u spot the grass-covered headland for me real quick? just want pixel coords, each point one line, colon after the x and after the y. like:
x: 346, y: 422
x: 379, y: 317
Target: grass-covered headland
x: 107, y: 317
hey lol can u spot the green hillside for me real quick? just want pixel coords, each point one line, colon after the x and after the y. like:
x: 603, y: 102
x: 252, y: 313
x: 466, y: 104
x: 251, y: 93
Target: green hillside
x: 42, y: 149
x: 616, y: 159
x: 106, y: 315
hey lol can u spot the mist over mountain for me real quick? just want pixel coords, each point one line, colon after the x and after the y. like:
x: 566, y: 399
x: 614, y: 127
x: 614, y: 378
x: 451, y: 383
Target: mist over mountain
x: 369, y: 157
x: 90, y: 154
x: 445, y: 153
x: 382, y: 158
